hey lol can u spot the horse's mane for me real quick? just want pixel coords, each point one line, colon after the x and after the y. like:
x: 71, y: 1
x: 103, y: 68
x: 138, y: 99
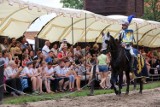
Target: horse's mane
x: 117, y: 52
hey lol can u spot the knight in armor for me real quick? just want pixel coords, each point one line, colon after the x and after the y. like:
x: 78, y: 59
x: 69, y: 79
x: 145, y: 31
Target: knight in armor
x: 126, y: 38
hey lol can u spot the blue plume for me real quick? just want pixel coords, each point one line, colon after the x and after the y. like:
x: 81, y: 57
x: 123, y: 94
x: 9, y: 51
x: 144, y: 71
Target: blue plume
x: 130, y: 18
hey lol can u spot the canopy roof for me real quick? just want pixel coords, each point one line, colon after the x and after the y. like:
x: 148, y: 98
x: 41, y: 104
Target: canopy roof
x: 16, y: 16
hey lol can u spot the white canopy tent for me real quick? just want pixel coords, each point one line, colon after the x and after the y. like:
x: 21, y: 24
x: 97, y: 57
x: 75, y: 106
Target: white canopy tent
x: 74, y: 25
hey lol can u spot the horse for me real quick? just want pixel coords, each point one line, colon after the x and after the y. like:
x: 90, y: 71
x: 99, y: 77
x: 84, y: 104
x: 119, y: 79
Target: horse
x: 120, y: 62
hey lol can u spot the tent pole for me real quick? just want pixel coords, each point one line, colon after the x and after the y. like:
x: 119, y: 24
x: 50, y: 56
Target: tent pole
x: 137, y: 35
x: 72, y: 33
x: 85, y: 47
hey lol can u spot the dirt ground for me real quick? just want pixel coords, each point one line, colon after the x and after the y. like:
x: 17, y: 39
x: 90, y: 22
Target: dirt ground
x: 150, y: 98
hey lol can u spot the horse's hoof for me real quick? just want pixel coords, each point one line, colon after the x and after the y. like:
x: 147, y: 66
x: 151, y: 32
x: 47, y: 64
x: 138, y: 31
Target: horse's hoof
x: 117, y: 93
x: 140, y: 92
x: 90, y: 94
x: 127, y: 93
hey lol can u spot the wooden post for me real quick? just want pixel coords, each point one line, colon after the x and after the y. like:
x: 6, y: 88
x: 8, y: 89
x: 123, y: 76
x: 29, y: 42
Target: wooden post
x: 1, y: 80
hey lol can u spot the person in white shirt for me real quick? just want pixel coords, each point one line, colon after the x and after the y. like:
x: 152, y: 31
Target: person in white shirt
x: 6, y: 57
x: 63, y: 44
x: 28, y: 72
x: 60, y: 74
x: 45, y: 77
x: 46, y: 49
x: 12, y: 78
x: 55, y: 50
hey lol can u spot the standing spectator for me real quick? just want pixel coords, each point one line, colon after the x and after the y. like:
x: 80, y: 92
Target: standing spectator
x: 45, y: 49
x: 103, y: 61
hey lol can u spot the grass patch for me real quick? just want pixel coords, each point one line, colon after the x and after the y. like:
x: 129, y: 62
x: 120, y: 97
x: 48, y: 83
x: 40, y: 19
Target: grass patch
x: 25, y: 99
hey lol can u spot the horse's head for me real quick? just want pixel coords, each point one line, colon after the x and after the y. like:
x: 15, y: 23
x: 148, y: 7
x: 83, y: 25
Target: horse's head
x: 108, y: 38
x: 111, y: 42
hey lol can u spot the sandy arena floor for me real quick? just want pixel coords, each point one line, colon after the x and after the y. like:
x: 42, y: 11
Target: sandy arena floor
x: 150, y: 98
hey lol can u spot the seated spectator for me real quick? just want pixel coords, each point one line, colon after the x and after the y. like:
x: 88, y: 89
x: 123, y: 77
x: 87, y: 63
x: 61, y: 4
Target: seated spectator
x: 25, y: 44
x: 46, y: 49
x: 60, y: 75
x: 5, y: 45
x: 72, y: 75
x: 25, y: 51
x: 31, y: 55
x: 49, y: 58
x: 70, y: 57
x: 13, y: 43
x: 39, y: 58
x: 25, y: 60
x: 77, y: 53
x: 55, y: 50
x: 29, y: 73
x: 45, y: 77
x: 38, y: 77
x: 85, y: 50
x: 63, y: 55
x: 17, y: 52
x: 6, y: 57
x: 63, y: 44
x: 95, y: 50
x: 12, y: 78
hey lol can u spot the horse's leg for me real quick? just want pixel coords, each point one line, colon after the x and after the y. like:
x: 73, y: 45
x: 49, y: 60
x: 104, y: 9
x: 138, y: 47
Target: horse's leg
x: 113, y: 82
x: 128, y: 82
x: 141, y: 85
x: 134, y: 84
x: 120, y: 81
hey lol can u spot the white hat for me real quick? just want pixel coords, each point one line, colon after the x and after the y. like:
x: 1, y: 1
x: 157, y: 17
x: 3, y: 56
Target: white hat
x: 125, y: 22
x: 64, y: 40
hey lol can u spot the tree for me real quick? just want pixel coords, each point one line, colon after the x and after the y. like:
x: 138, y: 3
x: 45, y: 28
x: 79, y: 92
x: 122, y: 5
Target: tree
x: 76, y: 4
x: 152, y: 10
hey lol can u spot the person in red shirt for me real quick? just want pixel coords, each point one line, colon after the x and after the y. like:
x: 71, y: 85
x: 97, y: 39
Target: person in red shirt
x: 63, y: 54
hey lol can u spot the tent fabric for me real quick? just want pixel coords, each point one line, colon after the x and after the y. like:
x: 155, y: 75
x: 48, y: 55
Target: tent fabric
x: 74, y: 25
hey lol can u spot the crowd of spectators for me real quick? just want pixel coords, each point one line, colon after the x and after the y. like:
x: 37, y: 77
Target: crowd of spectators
x: 56, y: 68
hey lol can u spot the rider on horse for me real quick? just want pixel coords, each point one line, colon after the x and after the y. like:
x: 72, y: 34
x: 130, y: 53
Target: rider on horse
x: 126, y: 38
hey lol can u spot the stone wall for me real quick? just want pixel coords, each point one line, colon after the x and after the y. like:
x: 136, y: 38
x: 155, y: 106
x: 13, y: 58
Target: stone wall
x: 109, y: 7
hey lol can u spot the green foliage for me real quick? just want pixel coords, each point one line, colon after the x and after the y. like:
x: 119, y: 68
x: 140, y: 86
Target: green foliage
x: 152, y: 10
x: 76, y: 4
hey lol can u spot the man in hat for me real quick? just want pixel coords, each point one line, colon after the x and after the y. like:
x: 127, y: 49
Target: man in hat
x: 63, y: 44
x: 126, y: 38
